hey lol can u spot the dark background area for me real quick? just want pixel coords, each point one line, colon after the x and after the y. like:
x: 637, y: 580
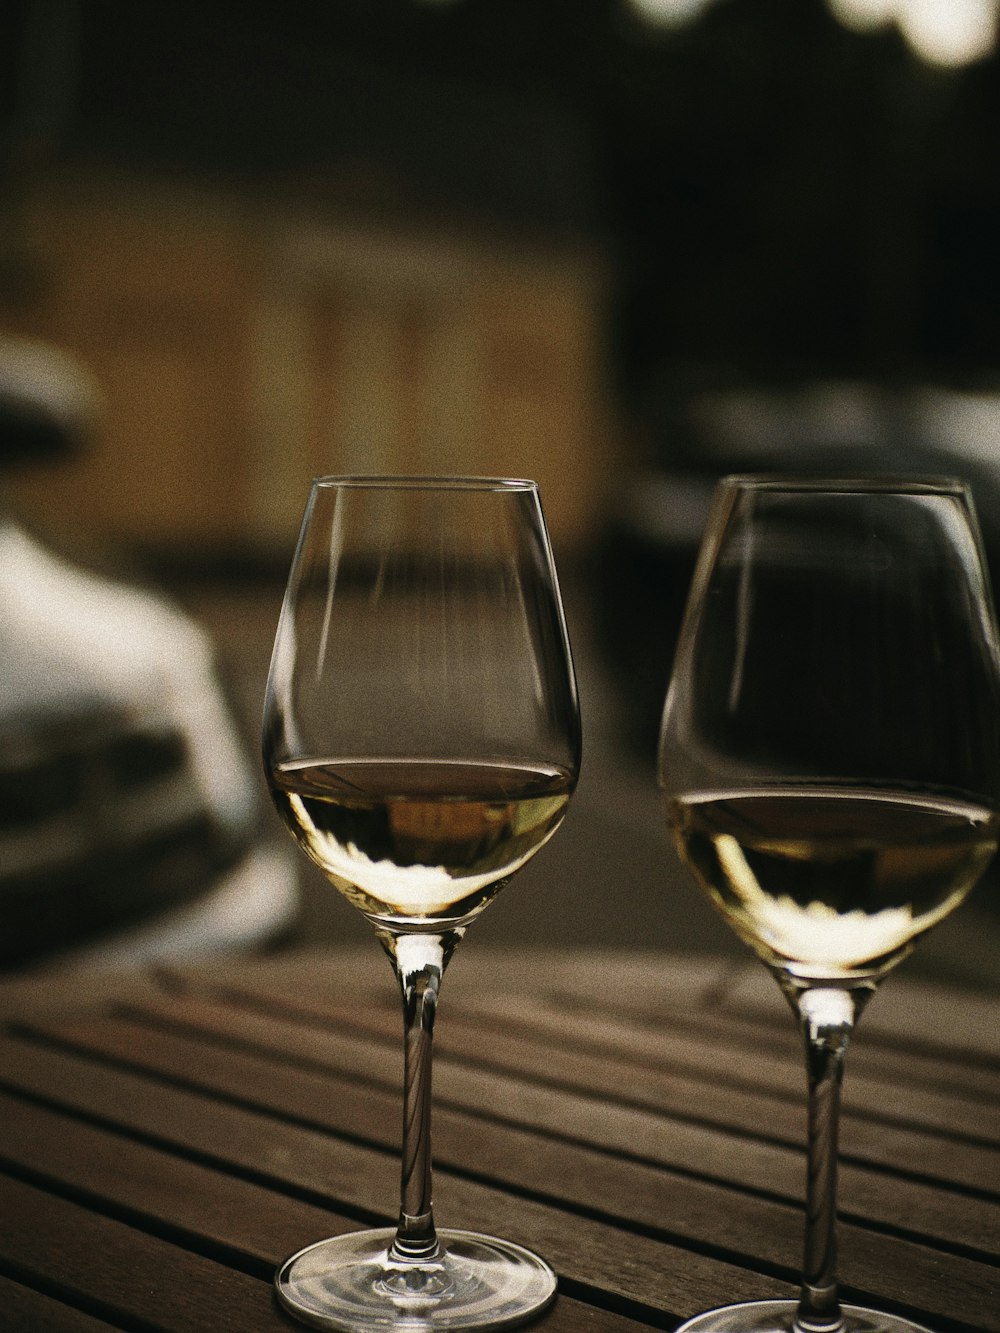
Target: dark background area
x: 775, y: 202
x: 779, y: 195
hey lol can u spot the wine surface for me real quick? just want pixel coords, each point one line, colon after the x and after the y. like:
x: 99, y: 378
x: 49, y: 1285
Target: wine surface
x: 829, y: 882
x: 416, y: 841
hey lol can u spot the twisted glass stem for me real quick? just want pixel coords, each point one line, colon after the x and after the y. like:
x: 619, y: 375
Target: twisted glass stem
x: 827, y: 1016
x: 419, y: 962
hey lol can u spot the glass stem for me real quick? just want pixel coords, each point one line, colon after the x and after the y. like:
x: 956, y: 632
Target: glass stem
x: 827, y: 1016
x: 419, y: 962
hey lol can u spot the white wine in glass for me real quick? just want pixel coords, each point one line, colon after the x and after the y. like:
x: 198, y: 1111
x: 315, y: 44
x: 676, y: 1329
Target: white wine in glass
x: 421, y: 741
x: 830, y: 759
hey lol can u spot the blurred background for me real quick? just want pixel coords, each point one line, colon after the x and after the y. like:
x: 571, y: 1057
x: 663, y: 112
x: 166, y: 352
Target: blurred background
x: 620, y: 246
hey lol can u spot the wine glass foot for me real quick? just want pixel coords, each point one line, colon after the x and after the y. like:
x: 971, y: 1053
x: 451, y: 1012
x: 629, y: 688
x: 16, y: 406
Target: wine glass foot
x: 779, y: 1317
x: 347, y: 1283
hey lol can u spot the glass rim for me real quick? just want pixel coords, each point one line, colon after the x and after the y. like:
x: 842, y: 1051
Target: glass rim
x: 859, y: 484
x: 416, y: 482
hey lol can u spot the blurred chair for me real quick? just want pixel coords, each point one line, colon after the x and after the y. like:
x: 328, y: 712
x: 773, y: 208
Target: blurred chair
x: 129, y: 820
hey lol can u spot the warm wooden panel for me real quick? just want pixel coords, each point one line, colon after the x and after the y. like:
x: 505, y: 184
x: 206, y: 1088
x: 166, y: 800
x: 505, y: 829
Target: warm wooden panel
x: 245, y: 343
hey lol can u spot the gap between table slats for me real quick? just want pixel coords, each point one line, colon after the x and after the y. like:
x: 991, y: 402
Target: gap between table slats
x: 177, y: 1058
x: 640, y: 1274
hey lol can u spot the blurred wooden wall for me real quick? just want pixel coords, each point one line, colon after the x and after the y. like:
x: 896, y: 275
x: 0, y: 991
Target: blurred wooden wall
x: 244, y: 344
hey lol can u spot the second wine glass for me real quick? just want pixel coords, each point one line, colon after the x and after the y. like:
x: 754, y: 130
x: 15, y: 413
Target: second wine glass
x: 830, y: 754
x: 421, y: 741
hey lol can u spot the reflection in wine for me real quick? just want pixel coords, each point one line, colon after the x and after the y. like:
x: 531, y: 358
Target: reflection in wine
x: 420, y: 842
x: 830, y: 883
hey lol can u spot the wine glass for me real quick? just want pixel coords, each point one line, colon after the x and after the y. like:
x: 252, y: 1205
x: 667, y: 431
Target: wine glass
x: 830, y: 757
x: 421, y: 740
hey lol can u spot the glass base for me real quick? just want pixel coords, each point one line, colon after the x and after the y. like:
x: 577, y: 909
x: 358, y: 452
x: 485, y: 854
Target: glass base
x: 779, y: 1317
x: 347, y: 1283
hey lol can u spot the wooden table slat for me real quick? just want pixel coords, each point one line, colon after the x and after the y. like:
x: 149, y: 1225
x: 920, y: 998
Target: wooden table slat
x: 185, y: 1198
x: 955, y: 1103
x: 25, y: 1310
x: 637, y: 1120
x: 762, y: 1166
x: 114, y: 1267
x: 940, y: 1022
x: 679, y: 1208
x: 925, y: 1155
x: 633, y: 1268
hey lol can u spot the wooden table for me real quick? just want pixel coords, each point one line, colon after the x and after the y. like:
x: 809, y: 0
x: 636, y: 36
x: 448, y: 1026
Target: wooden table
x: 167, y: 1138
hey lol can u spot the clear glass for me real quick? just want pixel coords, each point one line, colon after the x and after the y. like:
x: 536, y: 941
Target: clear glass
x: 421, y: 740
x: 830, y: 759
